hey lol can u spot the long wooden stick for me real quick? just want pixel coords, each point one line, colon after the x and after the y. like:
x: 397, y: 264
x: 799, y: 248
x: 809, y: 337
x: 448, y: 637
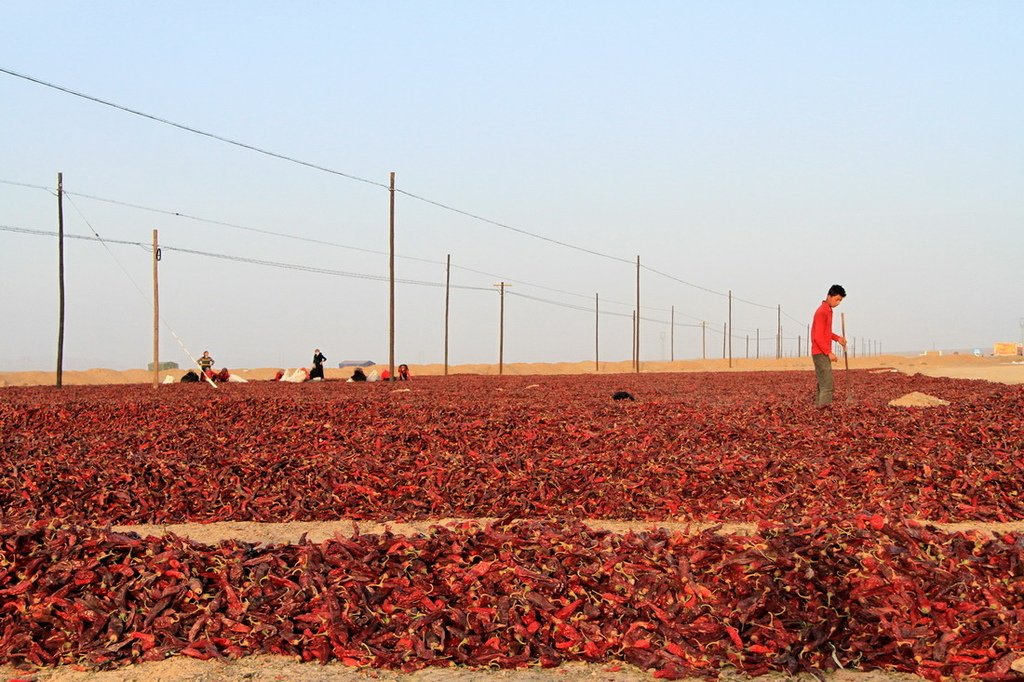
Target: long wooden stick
x: 842, y: 323
x: 60, y: 279
x: 156, y: 312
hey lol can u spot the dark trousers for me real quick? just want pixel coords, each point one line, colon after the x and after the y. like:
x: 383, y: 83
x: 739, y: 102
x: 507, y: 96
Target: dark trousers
x: 823, y: 372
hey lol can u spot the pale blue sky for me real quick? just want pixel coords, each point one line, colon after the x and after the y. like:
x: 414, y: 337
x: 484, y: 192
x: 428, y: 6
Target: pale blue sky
x: 767, y: 148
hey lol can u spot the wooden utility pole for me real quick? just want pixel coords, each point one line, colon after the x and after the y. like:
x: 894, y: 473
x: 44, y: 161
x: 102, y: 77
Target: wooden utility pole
x: 757, y: 346
x: 60, y: 279
x: 725, y: 333
x: 778, y: 336
x: 730, y: 328
x: 597, y: 337
x: 447, y: 289
x: 638, y: 314
x: 501, y: 327
x: 704, y: 339
x: 391, y: 284
x: 748, y: 347
x: 156, y: 313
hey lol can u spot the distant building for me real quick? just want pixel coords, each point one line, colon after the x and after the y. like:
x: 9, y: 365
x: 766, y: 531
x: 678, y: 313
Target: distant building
x: 356, y: 363
x: 163, y: 366
x: 1007, y: 348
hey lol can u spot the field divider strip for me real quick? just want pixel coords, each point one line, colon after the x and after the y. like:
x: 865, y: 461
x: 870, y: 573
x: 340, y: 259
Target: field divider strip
x: 318, y: 531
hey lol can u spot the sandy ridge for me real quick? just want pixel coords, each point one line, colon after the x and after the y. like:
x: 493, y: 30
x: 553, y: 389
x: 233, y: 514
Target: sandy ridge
x: 1009, y: 370
x: 319, y: 531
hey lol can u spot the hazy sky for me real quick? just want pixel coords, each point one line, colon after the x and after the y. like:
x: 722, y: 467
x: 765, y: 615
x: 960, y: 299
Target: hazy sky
x: 768, y: 148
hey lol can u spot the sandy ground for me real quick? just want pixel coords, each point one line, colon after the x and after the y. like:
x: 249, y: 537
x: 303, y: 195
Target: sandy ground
x: 181, y: 669
x: 319, y: 531
x: 1009, y: 370
x: 276, y: 668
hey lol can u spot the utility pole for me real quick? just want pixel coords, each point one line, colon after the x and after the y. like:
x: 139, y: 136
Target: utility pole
x: 447, y: 294
x: 597, y: 336
x: 391, y: 284
x: 60, y: 279
x: 501, y: 327
x: 672, y: 336
x: 638, y: 314
x: 703, y: 339
x: 156, y: 313
x: 778, y: 336
x: 725, y: 333
x: 730, y: 328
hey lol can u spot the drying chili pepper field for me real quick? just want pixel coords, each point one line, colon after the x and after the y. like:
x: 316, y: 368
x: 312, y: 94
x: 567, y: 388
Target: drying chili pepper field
x: 843, y: 567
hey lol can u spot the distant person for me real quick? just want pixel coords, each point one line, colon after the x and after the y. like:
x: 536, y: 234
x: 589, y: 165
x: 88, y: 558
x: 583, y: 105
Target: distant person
x: 206, y: 363
x: 358, y: 375
x: 821, y: 344
x: 403, y: 372
x: 318, y: 365
x: 385, y: 375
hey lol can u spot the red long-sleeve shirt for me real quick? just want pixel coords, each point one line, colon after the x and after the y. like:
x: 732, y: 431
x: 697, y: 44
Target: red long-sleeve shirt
x: 821, y: 330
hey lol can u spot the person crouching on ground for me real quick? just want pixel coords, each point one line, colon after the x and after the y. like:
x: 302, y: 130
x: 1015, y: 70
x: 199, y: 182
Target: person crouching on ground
x: 821, y: 344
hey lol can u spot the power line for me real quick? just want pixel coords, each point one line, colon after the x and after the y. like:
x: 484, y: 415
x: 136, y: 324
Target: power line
x: 25, y: 184
x: 212, y: 221
x: 222, y: 223
x: 240, y: 259
x: 514, y: 229
x: 316, y: 270
x: 190, y: 129
x: 179, y: 214
x: 292, y: 159
x: 350, y: 176
x: 572, y: 306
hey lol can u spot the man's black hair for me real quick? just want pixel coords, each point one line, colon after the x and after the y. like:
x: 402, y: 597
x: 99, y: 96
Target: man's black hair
x: 837, y: 289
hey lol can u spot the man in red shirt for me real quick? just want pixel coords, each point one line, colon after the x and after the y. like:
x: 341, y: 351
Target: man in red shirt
x: 821, y: 344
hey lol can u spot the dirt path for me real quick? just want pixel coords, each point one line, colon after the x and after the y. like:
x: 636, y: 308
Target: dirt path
x: 318, y: 531
x: 277, y: 668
